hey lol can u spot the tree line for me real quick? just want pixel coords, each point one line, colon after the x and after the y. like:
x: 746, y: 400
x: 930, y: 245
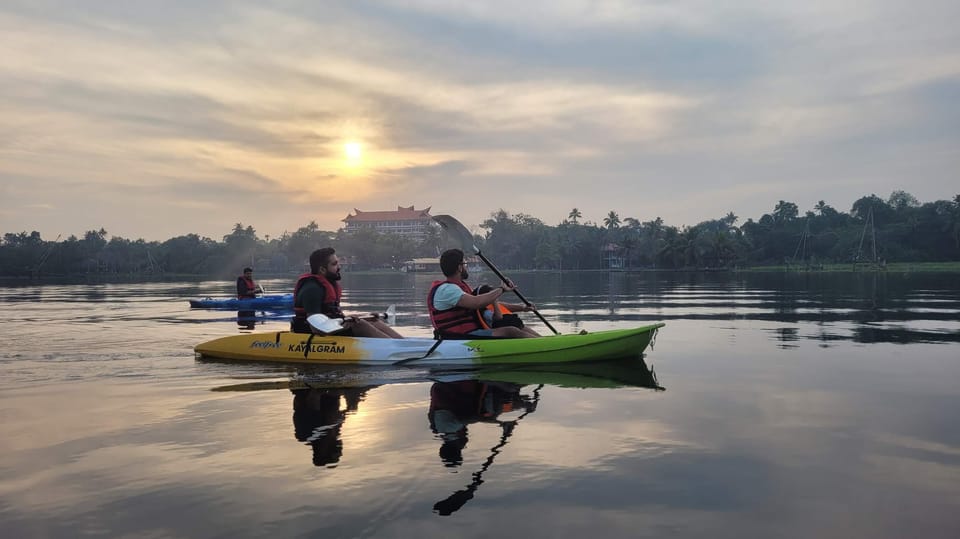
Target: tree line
x: 900, y: 228
x: 25, y: 254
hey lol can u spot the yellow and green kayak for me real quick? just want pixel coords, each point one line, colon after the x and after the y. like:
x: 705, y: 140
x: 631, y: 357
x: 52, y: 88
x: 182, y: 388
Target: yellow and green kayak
x: 287, y: 347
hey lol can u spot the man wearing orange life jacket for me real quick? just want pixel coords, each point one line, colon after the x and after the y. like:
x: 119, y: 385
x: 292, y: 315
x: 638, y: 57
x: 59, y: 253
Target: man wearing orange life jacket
x: 501, y: 314
x: 246, y: 288
x: 453, y: 307
x: 318, y: 292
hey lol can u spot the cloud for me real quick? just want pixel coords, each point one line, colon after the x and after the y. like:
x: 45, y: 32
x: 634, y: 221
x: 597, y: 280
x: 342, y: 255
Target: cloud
x: 681, y: 110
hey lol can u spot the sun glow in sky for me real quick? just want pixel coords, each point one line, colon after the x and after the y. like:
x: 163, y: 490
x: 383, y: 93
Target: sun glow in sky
x: 354, y: 152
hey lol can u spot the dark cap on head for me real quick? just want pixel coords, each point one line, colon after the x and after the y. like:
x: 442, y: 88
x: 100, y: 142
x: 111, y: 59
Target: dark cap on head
x: 248, y: 270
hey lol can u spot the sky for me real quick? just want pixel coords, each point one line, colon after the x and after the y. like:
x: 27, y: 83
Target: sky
x: 154, y: 119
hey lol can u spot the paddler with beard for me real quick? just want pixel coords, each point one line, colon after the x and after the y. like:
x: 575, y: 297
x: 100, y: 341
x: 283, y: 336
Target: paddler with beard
x: 318, y: 292
x: 454, y: 309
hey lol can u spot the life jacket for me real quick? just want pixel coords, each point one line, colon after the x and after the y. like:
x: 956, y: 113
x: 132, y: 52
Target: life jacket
x: 463, y: 398
x: 251, y: 288
x: 456, y: 320
x: 471, y: 401
x: 331, y: 304
x: 483, y: 320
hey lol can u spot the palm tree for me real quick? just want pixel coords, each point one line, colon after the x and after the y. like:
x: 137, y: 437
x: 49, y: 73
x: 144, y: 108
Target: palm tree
x: 612, y: 220
x: 785, y: 211
x: 574, y: 215
x: 730, y: 219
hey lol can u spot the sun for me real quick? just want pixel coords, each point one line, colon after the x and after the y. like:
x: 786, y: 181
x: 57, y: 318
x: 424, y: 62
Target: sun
x: 353, y: 150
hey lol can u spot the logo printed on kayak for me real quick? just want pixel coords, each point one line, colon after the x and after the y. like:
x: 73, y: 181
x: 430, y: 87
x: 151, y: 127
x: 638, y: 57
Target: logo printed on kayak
x: 265, y: 344
x: 330, y: 347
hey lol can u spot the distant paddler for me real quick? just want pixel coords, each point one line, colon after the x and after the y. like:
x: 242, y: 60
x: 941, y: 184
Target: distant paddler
x: 246, y: 288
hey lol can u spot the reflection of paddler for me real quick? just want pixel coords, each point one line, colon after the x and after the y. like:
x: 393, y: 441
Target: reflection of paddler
x: 247, y: 319
x: 317, y: 419
x: 454, y: 405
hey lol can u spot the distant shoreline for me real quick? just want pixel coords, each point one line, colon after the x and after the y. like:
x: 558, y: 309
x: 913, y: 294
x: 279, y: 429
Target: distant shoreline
x: 893, y: 267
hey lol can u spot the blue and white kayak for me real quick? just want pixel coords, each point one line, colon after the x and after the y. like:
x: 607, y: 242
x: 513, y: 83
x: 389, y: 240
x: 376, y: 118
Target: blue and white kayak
x: 269, y: 301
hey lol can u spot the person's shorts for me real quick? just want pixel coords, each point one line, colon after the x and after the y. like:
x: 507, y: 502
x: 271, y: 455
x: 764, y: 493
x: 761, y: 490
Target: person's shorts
x: 481, y: 333
x: 345, y: 332
x: 508, y: 320
x: 301, y: 326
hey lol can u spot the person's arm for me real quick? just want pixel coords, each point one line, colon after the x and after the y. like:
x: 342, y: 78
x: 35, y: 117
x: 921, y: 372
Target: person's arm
x: 496, y: 314
x: 519, y: 307
x: 469, y: 301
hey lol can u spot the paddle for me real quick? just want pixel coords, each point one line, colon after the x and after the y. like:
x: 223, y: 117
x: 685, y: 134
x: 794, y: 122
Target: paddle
x: 464, y: 237
x: 418, y: 358
x: 325, y: 324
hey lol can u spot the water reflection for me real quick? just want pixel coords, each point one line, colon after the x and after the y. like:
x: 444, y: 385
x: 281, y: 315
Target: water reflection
x: 455, y: 405
x: 247, y: 319
x: 318, y: 418
x: 864, y: 308
x: 324, y: 400
x: 752, y: 439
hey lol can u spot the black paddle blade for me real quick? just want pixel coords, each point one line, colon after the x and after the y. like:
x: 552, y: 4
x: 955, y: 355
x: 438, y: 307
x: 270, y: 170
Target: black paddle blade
x: 457, y: 233
x: 456, y: 500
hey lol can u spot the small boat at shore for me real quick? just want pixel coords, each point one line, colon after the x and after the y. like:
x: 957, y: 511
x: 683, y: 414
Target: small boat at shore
x: 287, y: 347
x: 269, y: 301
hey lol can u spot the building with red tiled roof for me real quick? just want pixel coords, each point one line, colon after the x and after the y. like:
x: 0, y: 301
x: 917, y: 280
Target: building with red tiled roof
x: 408, y: 222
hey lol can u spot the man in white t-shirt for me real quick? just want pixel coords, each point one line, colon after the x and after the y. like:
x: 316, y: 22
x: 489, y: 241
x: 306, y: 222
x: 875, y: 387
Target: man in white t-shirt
x: 454, y: 309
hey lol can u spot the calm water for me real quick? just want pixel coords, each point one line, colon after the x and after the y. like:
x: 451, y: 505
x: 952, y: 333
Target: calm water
x: 795, y: 406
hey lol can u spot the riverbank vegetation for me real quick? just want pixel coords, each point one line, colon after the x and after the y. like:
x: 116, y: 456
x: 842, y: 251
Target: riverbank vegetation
x: 874, y: 233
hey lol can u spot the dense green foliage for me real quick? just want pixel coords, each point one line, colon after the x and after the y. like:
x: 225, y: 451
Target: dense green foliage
x: 897, y: 229
x: 27, y: 254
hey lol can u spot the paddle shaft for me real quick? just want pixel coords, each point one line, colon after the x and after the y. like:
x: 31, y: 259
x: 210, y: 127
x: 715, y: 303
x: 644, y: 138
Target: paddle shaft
x: 424, y: 356
x: 515, y: 291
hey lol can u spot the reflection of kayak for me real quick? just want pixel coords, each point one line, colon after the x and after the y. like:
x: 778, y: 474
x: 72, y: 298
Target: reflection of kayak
x: 626, y: 372
x: 271, y: 301
x: 284, y: 346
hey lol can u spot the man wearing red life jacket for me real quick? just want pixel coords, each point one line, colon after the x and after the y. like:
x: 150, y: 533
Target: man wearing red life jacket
x: 318, y: 292
x: 246, y: 288
x: 453, y: 307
